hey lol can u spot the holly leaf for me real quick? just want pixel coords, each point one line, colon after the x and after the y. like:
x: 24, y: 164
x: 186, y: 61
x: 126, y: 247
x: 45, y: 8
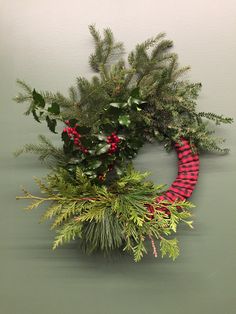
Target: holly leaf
x: 135, y: 93
x: 95, y: 164
x: 91, y: 174
x: 102, y: 148
x: 118, y: 171
x: 102, y: 137
x: 116, y: 104
x: 54, y: 109
x: 51, y: 124
x: 121, y: 136
x: 92, y: 152
x: 124, y: 120
x: 65, y: 137
x: 134, y: 102
x: 38, y: 99
x: 35, y: 116
x: 72, y: 122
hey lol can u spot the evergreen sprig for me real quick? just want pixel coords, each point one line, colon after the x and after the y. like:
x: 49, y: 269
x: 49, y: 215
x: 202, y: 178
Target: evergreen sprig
x: 46, y: 151
x: 170, y: 111
x: 108, y: 218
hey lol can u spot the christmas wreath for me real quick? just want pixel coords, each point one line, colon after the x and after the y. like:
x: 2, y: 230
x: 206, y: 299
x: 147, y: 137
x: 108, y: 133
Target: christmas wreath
x: 95, y: 193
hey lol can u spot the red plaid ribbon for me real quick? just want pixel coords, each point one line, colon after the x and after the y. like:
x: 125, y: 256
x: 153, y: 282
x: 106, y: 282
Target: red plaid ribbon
x: 185, y: 182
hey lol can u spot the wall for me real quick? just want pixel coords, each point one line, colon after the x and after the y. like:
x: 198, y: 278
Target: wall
x: 47, y: 44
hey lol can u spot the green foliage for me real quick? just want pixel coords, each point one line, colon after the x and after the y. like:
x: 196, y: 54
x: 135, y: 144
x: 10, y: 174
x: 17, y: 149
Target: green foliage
x: 46, y: 151
x: 169, y: 109
x: 109, y: 217
x: 105, y: 49
x: 40, y: 109
x: 94, y: 195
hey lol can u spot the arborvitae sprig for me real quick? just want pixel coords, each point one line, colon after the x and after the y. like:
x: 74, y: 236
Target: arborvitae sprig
x: 107, y: 218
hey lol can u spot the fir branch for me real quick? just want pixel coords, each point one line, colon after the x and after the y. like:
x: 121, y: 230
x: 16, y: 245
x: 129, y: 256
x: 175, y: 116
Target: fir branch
x: 105, y: 49
x: 218, y: 119
x: 45, y: 150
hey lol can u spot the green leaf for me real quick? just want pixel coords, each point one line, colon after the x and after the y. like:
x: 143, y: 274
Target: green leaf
x: 35, y: 116
x: 136, y: 101
x: 65, y: 137
x: 135, y: 93
x: 124, y: 120
x: 102, y: 148
x: 72, y: 122
x: 118, y: 171
x: 91, y: 174
x: 38, y: 99
x: 120, y: 105
x: 95, y: 164
x: 54, y: 109
x: 121, y: 136
x: 51, y: 124
x: 92, y: 152
x: 102, y: 137
x: 116, y: 104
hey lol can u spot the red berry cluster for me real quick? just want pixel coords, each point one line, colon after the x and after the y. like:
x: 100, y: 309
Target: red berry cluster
x: 113, y: 140
x: 74, y: 134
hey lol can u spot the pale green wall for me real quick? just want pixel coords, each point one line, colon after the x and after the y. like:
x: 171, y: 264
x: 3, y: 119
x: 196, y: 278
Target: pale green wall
x: 47, y: 44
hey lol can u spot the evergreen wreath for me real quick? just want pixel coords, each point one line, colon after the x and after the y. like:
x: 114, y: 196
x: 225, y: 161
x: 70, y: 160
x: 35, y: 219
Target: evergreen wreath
x: 95, y: 194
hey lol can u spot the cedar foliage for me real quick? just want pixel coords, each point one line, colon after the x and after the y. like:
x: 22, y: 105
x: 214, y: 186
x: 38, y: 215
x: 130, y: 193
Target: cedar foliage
x: 109, y: 218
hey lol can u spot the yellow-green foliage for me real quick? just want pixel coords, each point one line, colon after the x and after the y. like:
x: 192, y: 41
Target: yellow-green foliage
x: 109, y: 217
